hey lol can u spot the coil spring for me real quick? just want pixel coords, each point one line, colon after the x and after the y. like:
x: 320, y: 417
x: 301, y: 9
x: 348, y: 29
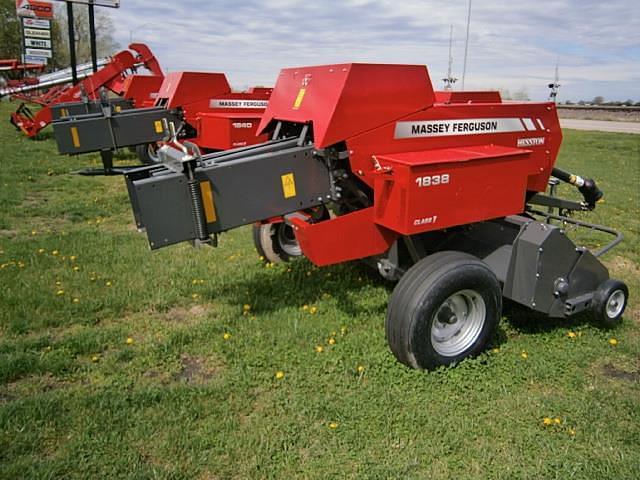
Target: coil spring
x: 198, y: 210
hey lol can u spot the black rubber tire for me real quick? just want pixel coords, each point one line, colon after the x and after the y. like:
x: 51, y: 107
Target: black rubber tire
x: 267, y: 240
x: 144, y: 153
x: 420, y: 293
x: 601, y: 298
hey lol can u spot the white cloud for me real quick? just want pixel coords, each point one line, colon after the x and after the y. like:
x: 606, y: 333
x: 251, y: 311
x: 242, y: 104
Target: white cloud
x: 516, y: 45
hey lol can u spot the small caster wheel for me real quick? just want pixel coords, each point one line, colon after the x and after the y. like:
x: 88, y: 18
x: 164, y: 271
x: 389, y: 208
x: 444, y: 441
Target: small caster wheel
x: 609, y: 302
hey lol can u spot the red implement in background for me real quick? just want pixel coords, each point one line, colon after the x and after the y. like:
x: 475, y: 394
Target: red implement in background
x: 114, y: 76
x: 216, y: 118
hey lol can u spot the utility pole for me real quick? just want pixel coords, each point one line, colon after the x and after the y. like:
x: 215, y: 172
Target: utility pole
x: 554, y: 86
x: 466, y: 46
x: 450, y: 79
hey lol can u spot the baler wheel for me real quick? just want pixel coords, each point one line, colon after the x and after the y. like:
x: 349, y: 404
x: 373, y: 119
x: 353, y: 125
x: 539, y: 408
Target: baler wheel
x: 444, y: 309
x: 609, y: 302
x: 276, y: 242
x: 148, y: 153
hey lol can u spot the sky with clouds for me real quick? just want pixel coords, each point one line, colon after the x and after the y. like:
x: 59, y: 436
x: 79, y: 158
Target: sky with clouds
x: 513, y: 45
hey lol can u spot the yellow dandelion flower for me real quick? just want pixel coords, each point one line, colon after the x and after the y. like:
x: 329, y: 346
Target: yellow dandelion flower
x: 571, y: 432
x: 557, y: 421
x: 360, y: 368
x: 246, y: 307
x: 76, y: 300
x: 333, y: 425
x: 547, y: 421
x: 60, y: 292
x: 343, y: 330
x: 571, y: 334
x: 313, y: 310
x: 226, y: 336
x: 495, y: 350
x: 95, y: 358
x: 76, y: 268
x: 524, y: 354
x: 194, y: 281
x: 73, y: 258
x: 129, y: 341
x: 33, y: 232
x: 319, y: 349
x: 279, y: 375
x: 41, y: 250
x: 613, y: 342
x: 55, y: 253
x: 195, y: 295
x: 305, y: 307
x: 109, y: 283
x: 331, y: 341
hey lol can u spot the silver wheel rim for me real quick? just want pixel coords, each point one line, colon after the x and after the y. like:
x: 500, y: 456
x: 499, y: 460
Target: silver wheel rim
x: 287, y: 240
x: 615, y: 304
x: 458, y: 322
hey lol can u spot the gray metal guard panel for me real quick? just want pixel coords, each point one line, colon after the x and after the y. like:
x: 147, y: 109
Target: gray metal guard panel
x: 244, y: 191
x: 73, y: 109
x: 96, y: 132
x: 542, y: 257
x: 249, y: 190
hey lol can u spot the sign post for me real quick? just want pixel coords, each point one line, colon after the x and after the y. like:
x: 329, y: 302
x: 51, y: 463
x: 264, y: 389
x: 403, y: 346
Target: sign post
x: 92, y: 30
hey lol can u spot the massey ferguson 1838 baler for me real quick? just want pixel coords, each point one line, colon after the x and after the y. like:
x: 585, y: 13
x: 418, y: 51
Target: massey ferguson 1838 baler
x: 443, y: 192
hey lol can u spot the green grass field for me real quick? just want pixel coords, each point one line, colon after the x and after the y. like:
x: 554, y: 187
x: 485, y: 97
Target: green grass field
x: 116, y: 362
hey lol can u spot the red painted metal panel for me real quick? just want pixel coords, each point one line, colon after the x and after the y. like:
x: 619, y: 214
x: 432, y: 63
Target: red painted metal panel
x: 349, y: 237
x: 222, y: 131
x: 417, y: 192
x: 348, y: 99
x: 142, y: 89
x: 450, y: 96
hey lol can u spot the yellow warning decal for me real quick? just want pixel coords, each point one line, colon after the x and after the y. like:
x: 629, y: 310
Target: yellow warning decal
x: 158, y: 126
x: 207, y: 202
x: 64, y: 112
x: 288, y: 185
x: 118, y: 108
x: 299, y: 98
x: 75, y: 138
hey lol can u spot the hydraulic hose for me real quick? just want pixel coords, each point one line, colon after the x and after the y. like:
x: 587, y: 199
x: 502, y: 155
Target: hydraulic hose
x: 586, y: 186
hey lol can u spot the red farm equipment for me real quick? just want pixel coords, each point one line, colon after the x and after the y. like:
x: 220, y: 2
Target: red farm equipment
x: 198, y: 107
x: 63, y: 99
x: 443, y: 192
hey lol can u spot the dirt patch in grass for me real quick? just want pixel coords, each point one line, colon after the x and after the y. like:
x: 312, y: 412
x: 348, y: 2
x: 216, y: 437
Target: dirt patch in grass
x: 619, y: 265
x: 196, y: 370
x: 34, y: 384
x: 618, y: 374
x: 185, y: 315
x: 8, y: 233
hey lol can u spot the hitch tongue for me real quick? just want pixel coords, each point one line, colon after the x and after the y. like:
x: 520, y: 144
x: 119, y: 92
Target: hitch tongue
x: 586, y: 186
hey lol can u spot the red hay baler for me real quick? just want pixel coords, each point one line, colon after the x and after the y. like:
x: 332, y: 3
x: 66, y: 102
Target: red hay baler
x: 441, y: 191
